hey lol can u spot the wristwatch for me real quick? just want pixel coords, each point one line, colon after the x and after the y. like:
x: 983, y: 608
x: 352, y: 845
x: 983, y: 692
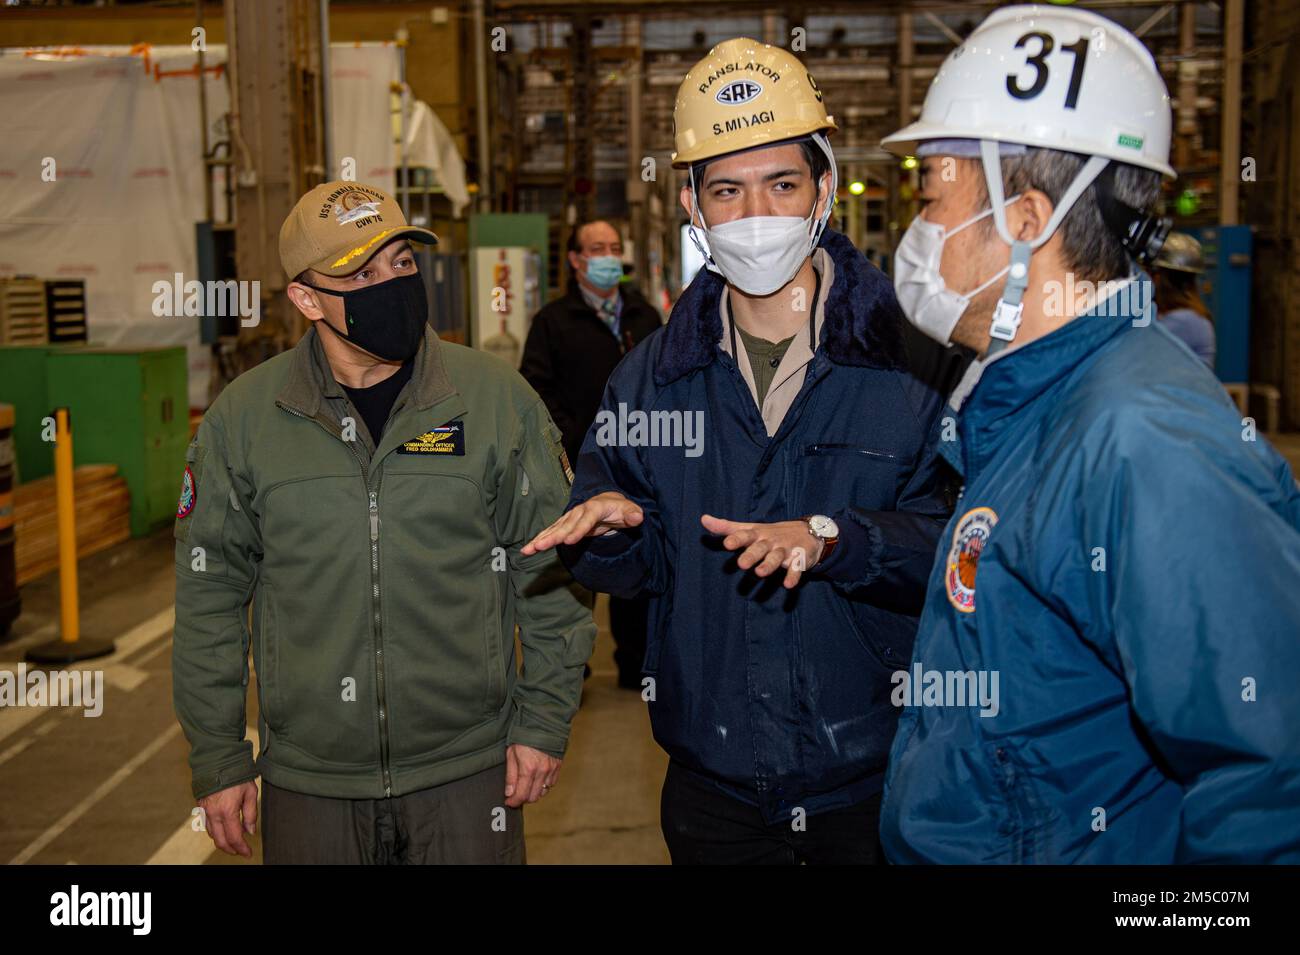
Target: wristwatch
x: 825, y: 530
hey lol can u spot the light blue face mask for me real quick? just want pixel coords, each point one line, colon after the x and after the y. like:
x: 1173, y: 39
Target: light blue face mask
x: 604, y: 271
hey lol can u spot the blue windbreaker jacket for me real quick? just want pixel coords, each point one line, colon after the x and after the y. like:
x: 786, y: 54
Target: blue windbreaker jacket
x: 1125, y: 557
x: 781, y: 698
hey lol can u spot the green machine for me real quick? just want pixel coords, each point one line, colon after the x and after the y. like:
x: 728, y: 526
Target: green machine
x: 129, y: 407
x: 23, y: 384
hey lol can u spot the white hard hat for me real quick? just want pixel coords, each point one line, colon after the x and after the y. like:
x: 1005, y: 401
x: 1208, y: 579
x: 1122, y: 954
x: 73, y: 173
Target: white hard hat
x: 1050, y: 77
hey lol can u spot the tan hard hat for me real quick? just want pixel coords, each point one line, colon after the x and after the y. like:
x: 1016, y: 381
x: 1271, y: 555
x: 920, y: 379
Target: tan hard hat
x: 1181, y: 253
x: 741, y: 95
x: 335, y: 228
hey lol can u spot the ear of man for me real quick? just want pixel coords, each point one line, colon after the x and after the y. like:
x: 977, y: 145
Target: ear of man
x: 303, y: 296
x: 575, y: 248
x: 1032, y: 212
x: 823, y: 196
x: 688, y: 205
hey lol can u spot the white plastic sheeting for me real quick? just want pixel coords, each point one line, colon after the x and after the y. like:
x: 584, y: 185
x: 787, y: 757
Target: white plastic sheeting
x: 430, y: 144
x: 361, y: 122
x: 123, y: 150
x: 123, y: 143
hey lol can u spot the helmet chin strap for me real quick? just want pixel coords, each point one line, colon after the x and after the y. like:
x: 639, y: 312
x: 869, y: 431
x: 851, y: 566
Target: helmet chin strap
x: 824, y: 143
x: 1010, y: 308
x: 711, y: 265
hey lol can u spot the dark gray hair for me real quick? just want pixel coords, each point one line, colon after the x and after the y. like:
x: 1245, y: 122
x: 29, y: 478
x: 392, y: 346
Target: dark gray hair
x: 1090, y: 250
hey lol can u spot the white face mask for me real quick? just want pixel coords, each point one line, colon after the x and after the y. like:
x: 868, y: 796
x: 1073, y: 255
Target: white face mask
x: 926, y: 301
x: 760, y: 254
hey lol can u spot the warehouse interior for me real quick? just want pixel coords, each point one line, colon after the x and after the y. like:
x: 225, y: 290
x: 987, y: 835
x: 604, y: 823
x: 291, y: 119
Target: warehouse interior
x: 153, y: 143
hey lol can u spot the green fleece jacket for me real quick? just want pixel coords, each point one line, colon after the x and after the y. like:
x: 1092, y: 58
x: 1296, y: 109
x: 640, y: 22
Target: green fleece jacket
x: 385, y: 583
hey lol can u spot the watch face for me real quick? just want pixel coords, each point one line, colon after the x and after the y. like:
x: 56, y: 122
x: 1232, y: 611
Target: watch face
x: 823, y: 527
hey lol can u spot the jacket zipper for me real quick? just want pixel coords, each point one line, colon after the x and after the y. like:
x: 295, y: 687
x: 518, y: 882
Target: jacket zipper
x: 372, y: 510
x: 379, y: 640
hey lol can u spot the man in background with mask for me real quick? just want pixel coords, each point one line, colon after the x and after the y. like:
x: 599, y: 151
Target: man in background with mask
x: 573, y: 345
x: 1106, y: 666
x: 765, y: 469
x: 368, y: 492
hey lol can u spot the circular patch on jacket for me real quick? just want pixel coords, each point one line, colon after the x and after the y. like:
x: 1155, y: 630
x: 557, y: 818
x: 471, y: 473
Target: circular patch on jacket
x: 968, y: 540
x: 188, y: 495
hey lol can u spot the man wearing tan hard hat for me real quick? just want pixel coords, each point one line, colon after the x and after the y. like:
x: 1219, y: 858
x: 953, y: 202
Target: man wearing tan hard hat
x: 812, y: 466
x: 368, y: 493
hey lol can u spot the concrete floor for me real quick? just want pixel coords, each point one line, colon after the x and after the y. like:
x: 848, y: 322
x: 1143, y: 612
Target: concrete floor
x: 115, y: 789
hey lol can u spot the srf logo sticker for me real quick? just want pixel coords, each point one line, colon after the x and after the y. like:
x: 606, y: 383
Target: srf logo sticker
x: 739, y: 92
x: 968, y: 541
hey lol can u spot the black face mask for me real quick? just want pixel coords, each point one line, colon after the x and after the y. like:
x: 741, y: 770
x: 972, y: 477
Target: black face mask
x: 387, y: 319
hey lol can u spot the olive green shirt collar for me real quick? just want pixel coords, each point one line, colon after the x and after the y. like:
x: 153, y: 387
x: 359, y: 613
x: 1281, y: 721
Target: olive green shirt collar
x: 311, y: 378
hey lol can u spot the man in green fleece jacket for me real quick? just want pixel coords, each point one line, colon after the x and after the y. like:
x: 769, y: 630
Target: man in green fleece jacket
x: 367, y: 494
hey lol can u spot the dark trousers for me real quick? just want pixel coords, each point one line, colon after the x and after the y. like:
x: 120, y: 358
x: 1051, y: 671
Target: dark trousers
x: 464, y: 822
x: 704, y: 826
x: 627, y: 624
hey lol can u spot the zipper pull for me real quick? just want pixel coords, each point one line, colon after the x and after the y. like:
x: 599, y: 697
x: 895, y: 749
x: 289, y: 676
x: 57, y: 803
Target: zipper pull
x: 374, y: 515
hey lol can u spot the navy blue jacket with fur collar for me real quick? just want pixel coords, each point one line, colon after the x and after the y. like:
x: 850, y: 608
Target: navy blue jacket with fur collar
x: 780, y: 697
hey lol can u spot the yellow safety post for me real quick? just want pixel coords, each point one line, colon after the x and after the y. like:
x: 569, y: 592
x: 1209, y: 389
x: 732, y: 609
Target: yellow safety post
x: 69, y: 622
x: 70, y: 646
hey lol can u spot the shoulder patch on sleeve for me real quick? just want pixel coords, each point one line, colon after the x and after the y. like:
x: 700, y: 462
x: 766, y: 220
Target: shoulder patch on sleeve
x: 186, y: 503
x: 189, y: 497
x: 553, y: 438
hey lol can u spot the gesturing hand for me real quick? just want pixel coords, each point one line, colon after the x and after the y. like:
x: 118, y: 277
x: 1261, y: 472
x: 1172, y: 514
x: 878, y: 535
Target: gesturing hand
x: 768, y: 547
x: 599, y: 515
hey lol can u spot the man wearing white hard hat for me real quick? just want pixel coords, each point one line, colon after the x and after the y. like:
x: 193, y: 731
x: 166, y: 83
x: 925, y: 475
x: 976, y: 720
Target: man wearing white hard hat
x: 1122, y: 568
x: 812, y: 464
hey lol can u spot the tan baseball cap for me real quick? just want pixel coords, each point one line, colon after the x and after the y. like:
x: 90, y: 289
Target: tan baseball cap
x: 338, y: 226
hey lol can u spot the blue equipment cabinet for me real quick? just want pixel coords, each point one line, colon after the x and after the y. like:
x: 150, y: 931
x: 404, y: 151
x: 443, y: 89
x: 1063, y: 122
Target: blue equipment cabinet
x: 1225, y: 286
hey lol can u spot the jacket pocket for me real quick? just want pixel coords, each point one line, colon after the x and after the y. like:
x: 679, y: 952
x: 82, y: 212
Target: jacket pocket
x: 815, y: 450
x: 1025, y: 825
x: 658, y: 624
x: 883, y: 654
x: 207, y: 495
x: 268, y: 661
x: 654, y: 647
x: 495, y: 649
x: 836, y: 476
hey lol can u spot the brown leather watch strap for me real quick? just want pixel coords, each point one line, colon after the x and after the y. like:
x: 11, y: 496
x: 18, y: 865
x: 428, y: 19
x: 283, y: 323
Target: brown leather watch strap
x: 828, y: 543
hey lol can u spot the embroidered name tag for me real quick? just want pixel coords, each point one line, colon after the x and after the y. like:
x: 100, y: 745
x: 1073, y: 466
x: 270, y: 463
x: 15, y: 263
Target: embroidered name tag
x: 449, y: 439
